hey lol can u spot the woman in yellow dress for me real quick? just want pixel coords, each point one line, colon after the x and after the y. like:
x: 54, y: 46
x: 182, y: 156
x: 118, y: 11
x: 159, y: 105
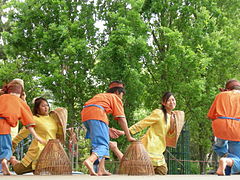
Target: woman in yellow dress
x: 46, y: 127
x: 162, y: 131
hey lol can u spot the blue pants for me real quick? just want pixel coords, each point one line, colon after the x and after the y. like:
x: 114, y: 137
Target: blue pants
x: 98, y: 133
x: 5, y: 146
x: 231, y: 149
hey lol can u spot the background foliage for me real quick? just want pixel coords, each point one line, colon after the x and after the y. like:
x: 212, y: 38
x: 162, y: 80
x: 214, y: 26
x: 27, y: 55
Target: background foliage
x: 70, y: 50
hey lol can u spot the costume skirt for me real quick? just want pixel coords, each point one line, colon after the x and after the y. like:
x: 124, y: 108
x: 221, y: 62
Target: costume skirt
x: 5, y: 146
x: 98, y: 132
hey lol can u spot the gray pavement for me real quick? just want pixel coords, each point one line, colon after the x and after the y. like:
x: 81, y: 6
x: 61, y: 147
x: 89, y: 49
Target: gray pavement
x: 121, y: 177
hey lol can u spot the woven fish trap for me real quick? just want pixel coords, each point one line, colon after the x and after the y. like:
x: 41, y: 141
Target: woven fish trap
x: 136, y: 161
x: 53, y: 160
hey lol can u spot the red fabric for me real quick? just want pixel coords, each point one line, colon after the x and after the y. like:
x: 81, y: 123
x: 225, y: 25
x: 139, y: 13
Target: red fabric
x: 13, y: 108
x: 111, y: 103
x: 226, y: 104
x: 113, y: 85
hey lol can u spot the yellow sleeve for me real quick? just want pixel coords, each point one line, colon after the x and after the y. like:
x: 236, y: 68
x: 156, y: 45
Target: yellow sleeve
x: 153, y: 118
x: 23, y: 133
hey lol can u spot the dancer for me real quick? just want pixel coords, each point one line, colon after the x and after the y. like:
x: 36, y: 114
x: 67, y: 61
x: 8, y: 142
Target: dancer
x: 162, y: 125
x: 47, y: 127
x: 14, y: 130
x: 94, y: 118
x: 12, y: 109
x: 225, y: 115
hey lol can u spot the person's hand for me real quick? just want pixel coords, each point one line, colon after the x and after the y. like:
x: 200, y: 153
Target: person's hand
x: 131, y: 139
x: 41, y: 141
x: 115, y: 133
x: 172, y: 123
x: 14, y: 146
x: 119, y: 132
x: 1, y: 92
x: 112, y: 145
x: 23, y: 96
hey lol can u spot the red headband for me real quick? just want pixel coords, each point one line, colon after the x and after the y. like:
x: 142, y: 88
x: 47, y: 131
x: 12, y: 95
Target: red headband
x: 113, y: 85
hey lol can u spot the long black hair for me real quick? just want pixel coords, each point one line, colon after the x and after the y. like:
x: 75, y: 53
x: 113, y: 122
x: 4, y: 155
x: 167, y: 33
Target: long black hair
x: 37, y: 103
x: 165, y: 98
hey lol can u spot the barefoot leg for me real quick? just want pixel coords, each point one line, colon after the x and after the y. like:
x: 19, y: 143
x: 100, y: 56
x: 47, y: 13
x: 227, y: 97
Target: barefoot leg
x: 89, y: 164
x: 223, y: 162
x: 5, y: 167
x: 102, y: 171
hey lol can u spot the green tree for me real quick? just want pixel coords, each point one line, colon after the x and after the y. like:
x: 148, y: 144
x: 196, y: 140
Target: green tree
x: 189, y: 57
x: 55, y: 40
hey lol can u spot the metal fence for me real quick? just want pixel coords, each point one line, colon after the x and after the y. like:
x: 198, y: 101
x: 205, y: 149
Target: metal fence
x: 176, y: 158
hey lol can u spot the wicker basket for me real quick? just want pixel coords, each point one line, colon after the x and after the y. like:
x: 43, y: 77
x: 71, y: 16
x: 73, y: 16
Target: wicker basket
x: 171, y: 139
x: 53, y: 160
x: 60, y: 115
x: 136, y: 161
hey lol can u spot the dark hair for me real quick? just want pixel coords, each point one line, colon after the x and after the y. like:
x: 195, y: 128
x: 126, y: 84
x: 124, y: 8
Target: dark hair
x: 165, y: 98
x: 117, y: 89
x: 37, y: 103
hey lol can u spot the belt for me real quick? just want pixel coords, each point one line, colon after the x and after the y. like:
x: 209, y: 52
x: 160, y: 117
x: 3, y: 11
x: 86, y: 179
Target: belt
x: 95, y: 105
x: 222, y: 117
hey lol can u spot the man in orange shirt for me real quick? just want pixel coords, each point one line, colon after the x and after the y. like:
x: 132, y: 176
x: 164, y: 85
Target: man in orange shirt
x: 12, y: 109
x: 94, y: 118
x: 225, y: 113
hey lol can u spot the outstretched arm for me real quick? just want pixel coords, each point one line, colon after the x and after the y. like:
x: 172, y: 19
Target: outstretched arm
x: 123, y: 123
x: 33, y: 132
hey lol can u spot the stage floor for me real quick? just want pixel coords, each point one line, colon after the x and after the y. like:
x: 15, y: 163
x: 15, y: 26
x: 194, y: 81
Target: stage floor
x: 119, y: 177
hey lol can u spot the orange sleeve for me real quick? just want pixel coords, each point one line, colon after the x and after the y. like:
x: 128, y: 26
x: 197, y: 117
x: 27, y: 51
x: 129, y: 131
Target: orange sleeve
x: 212, y: 111
x: 117, y: 108
x: 26, y: 115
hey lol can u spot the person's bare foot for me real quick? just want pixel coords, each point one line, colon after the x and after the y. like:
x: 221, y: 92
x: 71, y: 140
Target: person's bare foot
x: 104, y: 173
x: 14, y: 161
x: 221, y: 167
x: 89, y: 165
x: 5, y: 169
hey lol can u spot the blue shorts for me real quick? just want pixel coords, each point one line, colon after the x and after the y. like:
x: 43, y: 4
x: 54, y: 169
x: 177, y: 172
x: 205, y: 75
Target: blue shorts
x: 98, y: 133
x: 5, y: 146
x: 232, y: 150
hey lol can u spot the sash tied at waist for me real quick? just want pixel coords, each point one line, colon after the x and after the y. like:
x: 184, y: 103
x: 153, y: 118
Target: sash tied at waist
x: 222, y: 117
x: 95, y: 105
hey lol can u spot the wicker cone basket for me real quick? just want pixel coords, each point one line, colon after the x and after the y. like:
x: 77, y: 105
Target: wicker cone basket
x: 60, y: 115
x: 53, y: 160
x: 171, y: 140
x: 136, y: 161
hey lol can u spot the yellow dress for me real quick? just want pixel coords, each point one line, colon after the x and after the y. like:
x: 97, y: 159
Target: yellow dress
x: 14, y: 131
x: 154, y: 140
x: 47, y: 128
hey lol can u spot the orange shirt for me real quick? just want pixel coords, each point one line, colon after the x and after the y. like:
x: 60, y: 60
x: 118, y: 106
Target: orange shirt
x: 226, y: 104
x: 13, y: 108
x: 111, y: 103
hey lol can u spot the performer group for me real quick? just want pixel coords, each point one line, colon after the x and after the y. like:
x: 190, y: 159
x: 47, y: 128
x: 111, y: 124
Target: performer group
x: 164, y: 127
